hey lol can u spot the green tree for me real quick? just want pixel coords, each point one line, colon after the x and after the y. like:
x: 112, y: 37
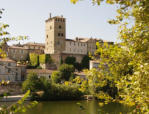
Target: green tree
x: 85, y: 62
x: 70, y: 60
x: 32, y: 83
x: 37, y: 85
x: 56, y: 77
x: 45, y: 58
x: 34, y: 59
x: 4, y: 36
x: 78, y: 66
x: 19, y: 106
x: 128, y: 66
x: 66, y: 71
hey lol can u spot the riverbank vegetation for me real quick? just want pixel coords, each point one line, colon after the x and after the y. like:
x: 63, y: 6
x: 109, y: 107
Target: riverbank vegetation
x: 59, y: 87
x: 84, y: 64
x: 127, y: 63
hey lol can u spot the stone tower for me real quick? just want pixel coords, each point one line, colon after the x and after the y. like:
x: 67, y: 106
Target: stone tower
x: 55, y: 35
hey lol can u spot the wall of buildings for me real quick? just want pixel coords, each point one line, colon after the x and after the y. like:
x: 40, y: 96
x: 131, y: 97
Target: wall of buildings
x: 10, y: 71
x: 17, y: 53
x: 75, y: 47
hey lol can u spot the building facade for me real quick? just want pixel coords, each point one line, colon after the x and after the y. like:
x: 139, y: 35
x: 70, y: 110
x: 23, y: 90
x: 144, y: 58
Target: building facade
x: 10, y: 71
x: 55, y: 35
x: 56, y: 44
x: 56, y: 41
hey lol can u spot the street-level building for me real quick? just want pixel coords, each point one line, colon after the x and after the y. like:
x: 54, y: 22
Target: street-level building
x: 10, y: 71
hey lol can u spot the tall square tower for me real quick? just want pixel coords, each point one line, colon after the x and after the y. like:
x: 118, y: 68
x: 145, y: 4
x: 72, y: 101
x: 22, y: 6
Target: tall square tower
x: 55, y: 35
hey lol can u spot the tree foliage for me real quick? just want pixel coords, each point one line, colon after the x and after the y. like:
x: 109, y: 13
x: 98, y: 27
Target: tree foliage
x: 56, y: 77
x: 32, y: 83
x: 66, y: 71
x: 6, y: 36
x: 128, y: 64
x: 85, y: 62
x: 34, y: 59
x: 70, y: 60
x: 19, y: 106
x: 45, y: 58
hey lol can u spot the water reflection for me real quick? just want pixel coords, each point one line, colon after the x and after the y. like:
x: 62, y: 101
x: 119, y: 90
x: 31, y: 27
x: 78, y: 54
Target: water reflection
x: 71, y: 107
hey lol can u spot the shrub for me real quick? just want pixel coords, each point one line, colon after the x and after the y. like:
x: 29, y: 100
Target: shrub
x: 34, y: 84
x: 45, y: 58
x: 64, y: 92
x: 78, y: 66
x: 66, y: 71
x: 56, y: 77
x: 34, y: 59
x: 70, y: 60
x: 85, y: 62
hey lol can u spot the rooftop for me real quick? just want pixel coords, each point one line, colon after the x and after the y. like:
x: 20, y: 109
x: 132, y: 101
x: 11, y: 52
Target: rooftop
x: 6, y: 60
x: 40, y: 71
x: 34, y: 44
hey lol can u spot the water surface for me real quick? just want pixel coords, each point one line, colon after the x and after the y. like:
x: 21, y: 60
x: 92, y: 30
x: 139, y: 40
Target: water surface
x: 71, y: 107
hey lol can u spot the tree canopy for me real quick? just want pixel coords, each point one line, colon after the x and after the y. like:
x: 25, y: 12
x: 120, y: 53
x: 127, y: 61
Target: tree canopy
x: 127, y: 63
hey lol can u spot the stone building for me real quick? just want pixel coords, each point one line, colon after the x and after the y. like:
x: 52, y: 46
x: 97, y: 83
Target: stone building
x: 41, y: 72
x: 20, y: 52
x: 17, y: 53
x: 34, y: 47
x: 59, y: 47
x: 56, y: 44
x: 75, y: 47
x: 55, y: 35
x: 10, y: 71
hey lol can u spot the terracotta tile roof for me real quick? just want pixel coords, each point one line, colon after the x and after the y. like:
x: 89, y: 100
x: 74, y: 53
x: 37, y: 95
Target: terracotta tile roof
x: 40, y: 71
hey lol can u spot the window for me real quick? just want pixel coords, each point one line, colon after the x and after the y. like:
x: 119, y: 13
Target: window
x: 59, y: 34
x: 9, y: 64
x: 9, y: 70
x: 62, y: 34
x: 60, y: 27
x: 47, y: 36
x: 50, y: 27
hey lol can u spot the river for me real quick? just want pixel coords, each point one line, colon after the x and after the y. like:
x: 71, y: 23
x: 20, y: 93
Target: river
x: 71, y: 107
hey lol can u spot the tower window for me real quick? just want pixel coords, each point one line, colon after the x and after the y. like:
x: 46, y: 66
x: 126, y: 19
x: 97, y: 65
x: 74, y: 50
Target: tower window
x: 47, y: 36
x: 59, y: 34
x: 60, y: 26
x: 62, y: 34
x: 50, y: 27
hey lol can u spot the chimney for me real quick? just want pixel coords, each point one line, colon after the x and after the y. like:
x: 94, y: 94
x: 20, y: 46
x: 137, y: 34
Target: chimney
x: 50, y: 15
x: 77, y: 39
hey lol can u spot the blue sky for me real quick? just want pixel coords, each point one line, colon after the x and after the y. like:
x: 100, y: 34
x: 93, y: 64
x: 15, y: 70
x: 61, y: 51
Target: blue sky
x: 27, y: 17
